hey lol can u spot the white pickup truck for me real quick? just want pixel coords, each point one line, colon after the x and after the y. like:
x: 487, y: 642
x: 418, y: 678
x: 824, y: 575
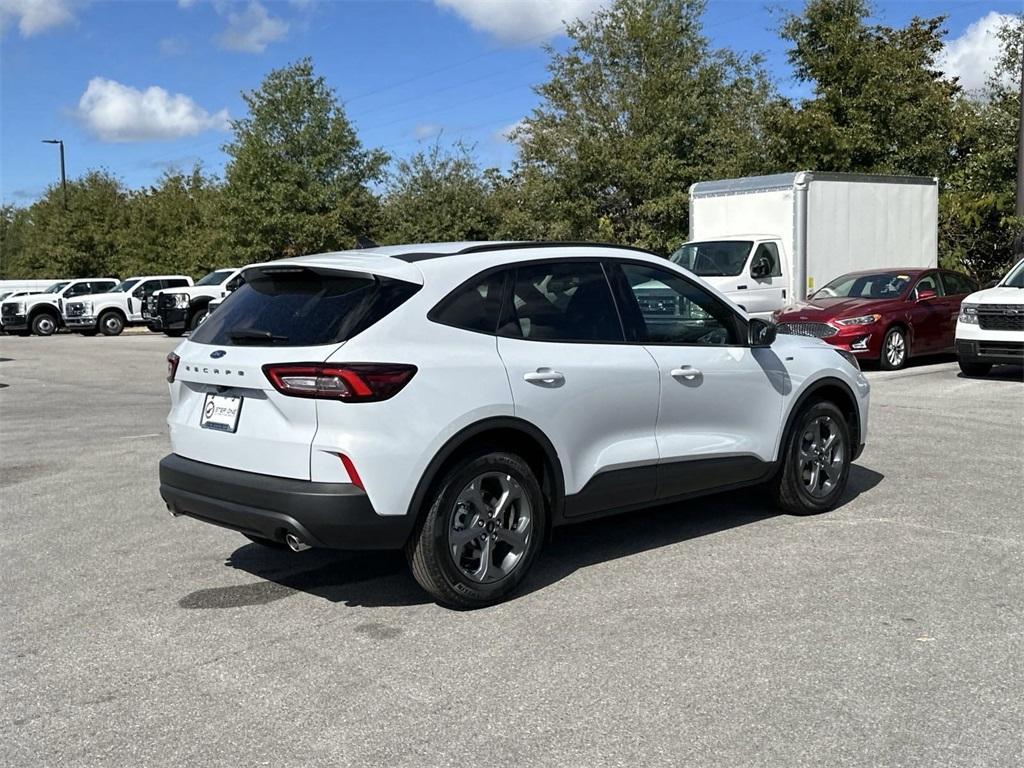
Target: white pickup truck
x: 40, y: 313
x: 176, y: 310
x: 990, y: 328
x: 768, y: 241
x: 126, y: 304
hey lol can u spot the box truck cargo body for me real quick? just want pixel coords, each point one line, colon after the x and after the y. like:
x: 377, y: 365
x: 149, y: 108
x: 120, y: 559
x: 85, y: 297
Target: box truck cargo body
x: 770, y: 241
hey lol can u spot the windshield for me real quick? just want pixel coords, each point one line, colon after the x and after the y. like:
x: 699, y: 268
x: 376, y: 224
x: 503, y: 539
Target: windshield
x: 1016, y: 277
x: 56, y: 287
x: 216, y: 278
x: 715, y: 258
x: 125, y: 286
x: 881, y: 285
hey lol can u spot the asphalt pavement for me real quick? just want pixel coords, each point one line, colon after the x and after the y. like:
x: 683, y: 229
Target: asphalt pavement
x: 712, y: 633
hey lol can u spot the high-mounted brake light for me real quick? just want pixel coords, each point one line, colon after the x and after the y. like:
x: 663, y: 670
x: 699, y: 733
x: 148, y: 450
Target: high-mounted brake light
x: 172, y: 366
x: 351, y: 382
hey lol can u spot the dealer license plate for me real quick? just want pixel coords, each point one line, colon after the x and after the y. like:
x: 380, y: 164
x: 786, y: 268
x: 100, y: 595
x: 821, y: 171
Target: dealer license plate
x: 221, y: 412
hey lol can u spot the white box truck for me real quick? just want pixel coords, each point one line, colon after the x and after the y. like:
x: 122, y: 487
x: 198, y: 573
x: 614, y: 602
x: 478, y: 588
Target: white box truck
x: 770, y: 241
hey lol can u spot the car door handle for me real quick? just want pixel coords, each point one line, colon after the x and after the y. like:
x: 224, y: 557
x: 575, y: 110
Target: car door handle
x: 686, y: 372
x: 544, y: 376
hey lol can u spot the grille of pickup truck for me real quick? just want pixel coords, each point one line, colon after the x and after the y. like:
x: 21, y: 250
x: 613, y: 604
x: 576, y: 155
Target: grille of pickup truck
x: 817, y: 330
x: 8, y: 310
x: 1001, y: 317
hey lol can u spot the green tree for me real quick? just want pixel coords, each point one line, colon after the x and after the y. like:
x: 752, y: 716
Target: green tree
x: 635, y: 111
x: 81, y: 240
x: 298, y: 177
x: 174, y: 226
x: 880, y: 103
x: 14, y: 226
x: 438, y: 195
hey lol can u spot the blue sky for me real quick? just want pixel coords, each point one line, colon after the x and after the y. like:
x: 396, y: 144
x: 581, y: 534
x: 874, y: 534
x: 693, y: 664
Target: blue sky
x: 407, y: 70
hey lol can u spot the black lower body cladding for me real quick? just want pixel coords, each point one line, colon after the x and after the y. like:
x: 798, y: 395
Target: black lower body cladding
x: 329, y: 515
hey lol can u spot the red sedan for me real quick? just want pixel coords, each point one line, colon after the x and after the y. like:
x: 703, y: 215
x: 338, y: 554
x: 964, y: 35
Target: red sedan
x: 888, y: 315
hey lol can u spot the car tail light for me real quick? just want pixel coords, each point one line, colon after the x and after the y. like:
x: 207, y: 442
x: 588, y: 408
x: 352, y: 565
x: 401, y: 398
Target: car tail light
x: 351, y: 382
x: 172, y: 366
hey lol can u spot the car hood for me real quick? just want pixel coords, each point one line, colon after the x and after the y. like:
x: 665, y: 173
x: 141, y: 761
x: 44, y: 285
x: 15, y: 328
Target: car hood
x: 821, y: 310
x: 1000, y: 295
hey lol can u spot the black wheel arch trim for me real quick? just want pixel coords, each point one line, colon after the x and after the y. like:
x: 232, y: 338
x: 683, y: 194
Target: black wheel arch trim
x: 466, y: 434
x: 805, y: 397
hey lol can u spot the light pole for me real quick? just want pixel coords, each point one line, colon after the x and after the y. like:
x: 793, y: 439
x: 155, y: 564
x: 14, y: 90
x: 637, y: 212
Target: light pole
x: 63, y: 178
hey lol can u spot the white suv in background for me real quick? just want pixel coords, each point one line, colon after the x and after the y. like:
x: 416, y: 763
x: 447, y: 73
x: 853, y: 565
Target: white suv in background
x: 990, y: 328
x: 126, y: 304
x: 458, y: 400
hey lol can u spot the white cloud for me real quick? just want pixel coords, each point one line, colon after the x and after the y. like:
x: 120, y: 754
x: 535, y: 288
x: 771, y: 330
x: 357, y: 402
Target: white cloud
x: 252, y: 30
x: 973, y: 55
x: 520, y: 21
x: 172, y: 46
x: 512, y: 133
x: 427, y: 130
x: 35, y: 16
x: 120, y: 113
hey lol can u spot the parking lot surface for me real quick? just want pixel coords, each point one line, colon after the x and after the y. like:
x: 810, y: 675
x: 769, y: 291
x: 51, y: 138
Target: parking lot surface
x: 717, y: 632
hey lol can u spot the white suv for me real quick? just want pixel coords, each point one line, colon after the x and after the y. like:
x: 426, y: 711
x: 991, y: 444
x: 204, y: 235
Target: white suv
x: 990, y: 328
x: 458, y: 400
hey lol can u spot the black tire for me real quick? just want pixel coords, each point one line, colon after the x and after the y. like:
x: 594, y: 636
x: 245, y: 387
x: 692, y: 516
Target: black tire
x: 197, y: 319
x: 974, y: 369
x: 173, y: 332
x: 791, y: 485
x: 429, y: 550
x: 268, y: 543
x: 45, y: 324
x: 895, y: 349
x: 91, y: 332
x: 110, y: 323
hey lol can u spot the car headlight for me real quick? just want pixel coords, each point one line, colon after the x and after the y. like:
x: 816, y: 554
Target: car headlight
x: 86, y: 307
x: 861, y: 320
x: 968, y: 314
x: 848, y: 356
x: 181, y: 301
x: 19, y: 308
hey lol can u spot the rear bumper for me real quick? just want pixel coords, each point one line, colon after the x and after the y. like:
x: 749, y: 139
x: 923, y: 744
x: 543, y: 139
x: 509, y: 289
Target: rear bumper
x: 329, y: 515
x: 990, y: 352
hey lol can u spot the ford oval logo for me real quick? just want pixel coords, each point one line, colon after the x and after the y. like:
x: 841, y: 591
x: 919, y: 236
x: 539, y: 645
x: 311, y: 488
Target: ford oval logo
x: 217, y: 354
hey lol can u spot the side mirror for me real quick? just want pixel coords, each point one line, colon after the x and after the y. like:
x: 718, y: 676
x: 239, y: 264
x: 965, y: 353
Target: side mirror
x: 926, y: 293
x: 760, y: 333
x: 760, y: 268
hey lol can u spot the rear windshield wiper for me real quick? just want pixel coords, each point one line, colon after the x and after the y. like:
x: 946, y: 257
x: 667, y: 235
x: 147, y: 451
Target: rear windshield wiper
x: 254, y: 334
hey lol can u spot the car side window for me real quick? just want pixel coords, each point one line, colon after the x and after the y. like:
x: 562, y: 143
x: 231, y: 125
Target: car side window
x: 766, y: 262
x: 957, y: 285
x: 561, y: 301
x: 235, y: 283
x: 79, y: 289
x: 927, y: 283
x: 474, y: 306
x: 174, y: 282
x: 669, y: 309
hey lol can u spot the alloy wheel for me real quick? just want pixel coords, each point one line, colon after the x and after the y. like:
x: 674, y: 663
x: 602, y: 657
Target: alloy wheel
x: 821, y: 456
x: 490, y: 527
x: 895, y: 349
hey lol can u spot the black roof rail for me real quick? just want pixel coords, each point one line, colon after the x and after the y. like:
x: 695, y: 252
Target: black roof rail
x: 484, y: 247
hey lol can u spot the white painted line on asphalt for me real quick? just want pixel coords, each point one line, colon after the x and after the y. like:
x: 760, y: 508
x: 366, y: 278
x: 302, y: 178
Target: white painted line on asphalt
x: 139, y: 437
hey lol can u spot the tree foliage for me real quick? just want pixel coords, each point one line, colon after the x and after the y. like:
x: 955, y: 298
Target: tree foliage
x: 298, y: 176
x: 634, y: 110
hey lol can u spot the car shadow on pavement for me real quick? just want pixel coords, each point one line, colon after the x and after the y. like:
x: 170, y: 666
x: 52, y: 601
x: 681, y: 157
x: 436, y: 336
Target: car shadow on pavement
x: 999, y: 373
x: 374, y: 579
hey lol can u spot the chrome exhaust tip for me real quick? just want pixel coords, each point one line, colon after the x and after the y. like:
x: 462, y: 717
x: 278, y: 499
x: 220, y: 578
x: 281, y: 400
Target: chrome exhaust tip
x: 295, y: 544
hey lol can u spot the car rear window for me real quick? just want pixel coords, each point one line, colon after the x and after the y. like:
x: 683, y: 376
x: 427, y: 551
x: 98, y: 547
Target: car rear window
x: 302, y: 307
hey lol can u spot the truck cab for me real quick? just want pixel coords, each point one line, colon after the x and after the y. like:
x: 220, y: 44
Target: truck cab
x: 177, y: 310
x: 126, y: 304
x: 41, y: 313
x: 752, y: 270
